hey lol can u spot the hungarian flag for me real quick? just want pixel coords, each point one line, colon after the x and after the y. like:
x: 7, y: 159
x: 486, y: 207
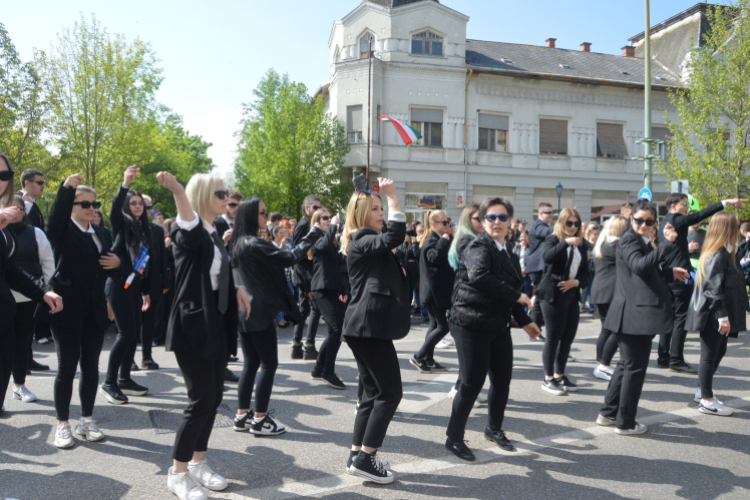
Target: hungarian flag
x: 408, y: 133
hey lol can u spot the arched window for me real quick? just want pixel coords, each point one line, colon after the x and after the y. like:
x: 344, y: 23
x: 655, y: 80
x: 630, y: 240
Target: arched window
x: 427, y: 43
x: 364, y: 45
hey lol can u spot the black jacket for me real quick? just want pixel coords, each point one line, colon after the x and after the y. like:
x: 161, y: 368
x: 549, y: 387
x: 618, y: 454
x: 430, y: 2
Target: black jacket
x: 261, y: 271
x: 35, y: 215
x: 157, y: 265
x: 193, y: 322
x: 537, y: 235
x: 326, y: 262
x: 12, y: 277
x: 436, y: 276
x: 379, y: 305
x: 488, y: 286
x: 557, y: 267
x: 78, y: 278
x: 722, y: 294
x: 123, y: 238
x: 603, y: 288
x: 409, y: 253
x: 642, y: 303
x: 679, y: 255
x: 303, y: 271
x: 222, y: 226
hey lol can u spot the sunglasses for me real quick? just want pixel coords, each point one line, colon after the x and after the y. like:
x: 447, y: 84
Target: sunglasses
x: 88, y: 204
x: 570, y: 223
x: 6, y: 175
x: 315, y: 207
x: 149, y: 207
x: 136, y: 203
x: 325, y: 217
x: 492, y: 218
x: 264, y: 214
x: 41, y: 183
x: 648, y: 222
x: 222, y: 194
x: 546, y: 213
x: 443, y: 222
x: 232, y: 205
x: 476, y: 219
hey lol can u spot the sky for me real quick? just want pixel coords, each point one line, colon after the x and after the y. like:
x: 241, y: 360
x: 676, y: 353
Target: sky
x: 214, y: 54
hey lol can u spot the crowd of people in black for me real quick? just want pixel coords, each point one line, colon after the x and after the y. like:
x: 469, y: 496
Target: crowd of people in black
x: 224, y: 269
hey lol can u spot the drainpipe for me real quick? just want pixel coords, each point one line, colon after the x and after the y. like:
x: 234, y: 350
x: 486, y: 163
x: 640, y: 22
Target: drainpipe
x: 466, y: 124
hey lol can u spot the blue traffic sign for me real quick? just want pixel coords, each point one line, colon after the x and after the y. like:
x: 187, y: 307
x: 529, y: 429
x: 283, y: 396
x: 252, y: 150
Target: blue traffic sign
x: 645, y: 193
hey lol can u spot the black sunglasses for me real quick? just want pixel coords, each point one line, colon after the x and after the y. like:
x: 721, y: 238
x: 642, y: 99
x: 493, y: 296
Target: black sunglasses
x: 570, y: 223
x: 546, y: 213
x: 476, y: 219
x: 648, y: 222
x: 492, y: 218
x: 41, y: 183
x: 6, y: 175
x: 315, y: 207
x: 149, y: 207
x: 325, y: 217
x: 443, y: 222
x: 221, y: 194
x: 232, y: 205
x: 88, y: 204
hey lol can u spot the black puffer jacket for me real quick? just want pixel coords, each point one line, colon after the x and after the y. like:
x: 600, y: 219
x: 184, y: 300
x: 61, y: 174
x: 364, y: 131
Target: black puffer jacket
x: 487, y: 288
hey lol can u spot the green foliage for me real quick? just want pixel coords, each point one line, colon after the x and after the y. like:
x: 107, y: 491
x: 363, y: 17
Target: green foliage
x: 289, y: 147
x: 710, y: 146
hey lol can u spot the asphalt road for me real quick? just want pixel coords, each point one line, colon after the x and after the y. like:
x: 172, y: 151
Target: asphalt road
x: 561, y: 453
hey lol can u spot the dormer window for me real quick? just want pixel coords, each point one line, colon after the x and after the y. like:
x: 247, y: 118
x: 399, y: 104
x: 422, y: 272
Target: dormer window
x: 427, y: 43
x: 365, y: 46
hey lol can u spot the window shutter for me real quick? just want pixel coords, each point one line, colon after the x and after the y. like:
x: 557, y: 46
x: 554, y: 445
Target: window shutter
x: 354, y: 118
x: 495, y: 122
x: 427, y: 115
x: 610, y: 140
x: 661, y: 133
x: 553, y: 136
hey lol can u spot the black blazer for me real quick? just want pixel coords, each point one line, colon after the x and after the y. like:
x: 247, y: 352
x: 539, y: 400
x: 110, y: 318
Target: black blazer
x: 605, y: 279
x: 78, y: 278
x: 35, y: 215
x: 261, y: 271
x: 679, y: 255
x: 642, y: 303
x: 380, y: 303
x: 537, y: 235
x: 722, y: 294
x: 158, y: 268
x: 122, y: 239
x: 221, y: 225
x: 326, y: 262
x: 436, y: 276
x: 12, y: 276
x: 556, y: 269
x: 303, y: 271
x: 193, y: 323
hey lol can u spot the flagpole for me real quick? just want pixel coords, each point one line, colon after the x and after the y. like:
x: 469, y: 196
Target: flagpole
x: 369, y: 107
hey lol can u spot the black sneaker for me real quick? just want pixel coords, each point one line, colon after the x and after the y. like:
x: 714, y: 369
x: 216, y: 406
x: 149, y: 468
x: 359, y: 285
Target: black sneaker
x: 435, y: 366
x: 566, y: 384
x: 353, y: 457
x: 241, y: 421
x: 368, y: 466
x: 683, y: 368
x: 553, y: 387
x: 149, y: 364
x: 460, y: 449
x: 334, y: 381
x: 230, y: 377
x: 419, y: 364
x: 266, y: 427
x: 134, y: 367
x: 113, y: 394
x: 310, y: 353
x: 498, y: 437
x: 317, y: 372
x: 130, y: 388
x: 37, y: 367
x: 233, y: 359
x: 297, y: 352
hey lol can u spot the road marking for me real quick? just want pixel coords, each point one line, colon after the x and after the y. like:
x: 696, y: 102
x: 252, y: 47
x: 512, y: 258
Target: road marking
x: 418, y: 398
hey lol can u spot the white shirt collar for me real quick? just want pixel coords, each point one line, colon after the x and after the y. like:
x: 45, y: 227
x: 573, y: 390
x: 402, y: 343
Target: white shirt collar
x: 646, y: 240
x: 500, y: 246
x: 229, y: 221
x: 89, y: 230
x: 209, y: 227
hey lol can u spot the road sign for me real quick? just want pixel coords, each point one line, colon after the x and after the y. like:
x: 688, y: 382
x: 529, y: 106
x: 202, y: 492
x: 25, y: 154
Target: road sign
x: 645, y: 193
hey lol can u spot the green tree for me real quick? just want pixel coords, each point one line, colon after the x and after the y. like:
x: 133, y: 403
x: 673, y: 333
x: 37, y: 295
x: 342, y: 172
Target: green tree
x: 710, y: 146
x: 289, y: 147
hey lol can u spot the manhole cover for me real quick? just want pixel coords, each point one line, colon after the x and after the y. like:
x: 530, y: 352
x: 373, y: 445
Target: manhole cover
x: 166, y: 421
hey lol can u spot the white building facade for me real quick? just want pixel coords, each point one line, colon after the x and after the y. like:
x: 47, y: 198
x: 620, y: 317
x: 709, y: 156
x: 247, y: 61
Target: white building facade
x: 496, y: 118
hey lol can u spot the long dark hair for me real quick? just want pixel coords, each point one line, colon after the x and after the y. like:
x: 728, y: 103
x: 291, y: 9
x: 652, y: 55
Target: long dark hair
x: 10, y: 189
x: 245, y: 225
x: 139, y: 226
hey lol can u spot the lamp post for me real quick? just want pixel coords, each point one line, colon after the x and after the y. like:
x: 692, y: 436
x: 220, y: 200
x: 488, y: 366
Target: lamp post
x: 559, y: 189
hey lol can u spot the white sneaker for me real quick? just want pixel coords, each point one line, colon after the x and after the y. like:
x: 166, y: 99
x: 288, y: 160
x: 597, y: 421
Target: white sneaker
x: 639, y: 429
x: 87, y: 428
x: 206, y: 477
x: 609, y: 370
x: 452, y: 393
x: 446, y: 343
x: 25, y: 395
x: 482, y: 398
x: 605, y: 421
x: 571, y: 358
x: 698, y: 395
x: 714, y: 407
x: 184, y: 486
x: 601, y: 374
x: 63, y: 436
x: 42, y: 341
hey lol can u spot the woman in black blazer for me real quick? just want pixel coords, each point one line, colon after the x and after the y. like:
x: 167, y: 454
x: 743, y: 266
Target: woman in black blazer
x: 260, y: 267
x: 329, y: 291
x: 127, y: 292
x: 378, y: 314
x: 719, y: 305
x: 436, y: 284
x: 641, y: 308
x: 203, y: 316
x: 602, y: 290
x: 566, y: 272
x: 487, y: 292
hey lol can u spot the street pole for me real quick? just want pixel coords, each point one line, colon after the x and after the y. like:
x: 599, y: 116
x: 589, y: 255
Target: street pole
x: 648, y: 177
x: 369, y: 117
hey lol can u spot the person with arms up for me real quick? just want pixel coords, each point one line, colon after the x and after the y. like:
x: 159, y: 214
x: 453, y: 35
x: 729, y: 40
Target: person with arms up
x: 696, y: 237
x: 538, y: 233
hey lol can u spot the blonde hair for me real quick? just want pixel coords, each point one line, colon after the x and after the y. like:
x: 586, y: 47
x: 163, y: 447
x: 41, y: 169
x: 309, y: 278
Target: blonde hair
x: 566, y: 214
x: 429, y: 218
x: 723, y: 229
x: 357, y: 216
x: 85, y: 189
x: 200, y: 194
x: 612, y: 231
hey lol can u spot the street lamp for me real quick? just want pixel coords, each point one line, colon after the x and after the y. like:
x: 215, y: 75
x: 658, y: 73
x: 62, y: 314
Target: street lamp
x: 559, y: 188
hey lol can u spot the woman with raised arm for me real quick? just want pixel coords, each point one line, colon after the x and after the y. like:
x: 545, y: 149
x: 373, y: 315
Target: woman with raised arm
x: 378, y: 314
x: 203, y: 315
x: 128, y: 291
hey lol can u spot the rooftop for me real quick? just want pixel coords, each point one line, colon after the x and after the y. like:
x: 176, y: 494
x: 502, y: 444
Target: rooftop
x: 390, y: 4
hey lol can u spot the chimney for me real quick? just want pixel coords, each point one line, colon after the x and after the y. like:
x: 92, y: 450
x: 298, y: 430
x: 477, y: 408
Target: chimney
x: 586, y: 47
x: 628, y: 51
x: 551, y: 42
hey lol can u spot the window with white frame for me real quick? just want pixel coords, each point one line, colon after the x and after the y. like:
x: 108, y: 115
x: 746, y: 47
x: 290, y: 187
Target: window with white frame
x: 427, y: 43
x: 354, y: 124
x: 429, y: 123
x: 365, y: 46
x: 493, y: 132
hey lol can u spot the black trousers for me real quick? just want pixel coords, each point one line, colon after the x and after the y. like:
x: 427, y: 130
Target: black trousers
x: 261, y: 352
x: 77, y: 341
x: 7, y: 353
x: 126, y: 306
x: 25, y: 325
x: 536, y: 311
x: 380, y: 377
x: 624, y: 392
x: 148, y: 324
x: 713, y: 349
x: 160, y: 332
x: 561, y: 318
x: 479, y: 353
x: 606, y: 344
x: 333, y: 311
x: 307, y: 308
x: 412, y: 274
x: 436, y: 332
x: 672, y: 345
